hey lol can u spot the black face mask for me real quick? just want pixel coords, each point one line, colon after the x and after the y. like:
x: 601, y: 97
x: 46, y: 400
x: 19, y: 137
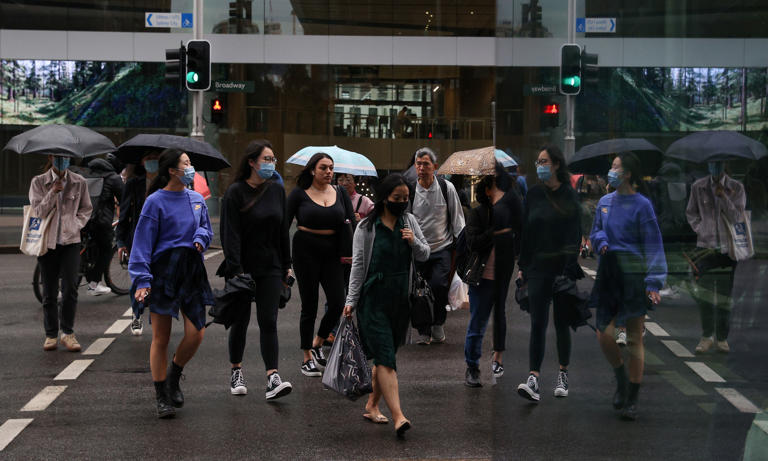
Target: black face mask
x: 396, y: 208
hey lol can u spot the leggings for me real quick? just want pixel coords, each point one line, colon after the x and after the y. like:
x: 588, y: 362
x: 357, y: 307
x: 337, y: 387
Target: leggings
x: 267, y: 299
x: 316, y: 262
x: 540, y: 295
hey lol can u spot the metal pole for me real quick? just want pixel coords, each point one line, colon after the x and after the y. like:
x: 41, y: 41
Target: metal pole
x: 569, y: 146
x: 197, y: 96
x: 493, y: 121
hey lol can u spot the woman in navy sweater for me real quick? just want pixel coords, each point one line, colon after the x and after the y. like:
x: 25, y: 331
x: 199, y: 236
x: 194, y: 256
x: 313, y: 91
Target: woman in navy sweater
x: 631, y: 272
x: 166, y: 266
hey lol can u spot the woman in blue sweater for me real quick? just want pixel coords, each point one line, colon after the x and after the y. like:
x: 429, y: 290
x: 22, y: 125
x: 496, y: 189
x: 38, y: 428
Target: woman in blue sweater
x: 631, y: 272
x: 166, y: 266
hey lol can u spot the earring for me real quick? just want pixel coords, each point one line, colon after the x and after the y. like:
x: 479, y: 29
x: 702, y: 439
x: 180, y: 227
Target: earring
x: 313, y: 173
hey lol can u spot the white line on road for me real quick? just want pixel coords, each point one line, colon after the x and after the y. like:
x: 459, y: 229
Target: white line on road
x: 118, y: 327
x: 212, y: 254
x: 98, y: 346
x: 44, y: 398
x: 128, y: 313
x: 589, y: 271
x: 73, y: 370
x: 707, y: 374
x: 10, y: 429
x: 737, y: 400
x: 762, y: 424
x: 676, y: 348
x: 655, y: 329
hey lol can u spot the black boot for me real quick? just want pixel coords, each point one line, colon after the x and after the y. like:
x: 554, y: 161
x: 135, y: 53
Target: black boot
x: 164, y: 407
x: 174, y: 390
x: 620, y: 397
x: 629, y: 412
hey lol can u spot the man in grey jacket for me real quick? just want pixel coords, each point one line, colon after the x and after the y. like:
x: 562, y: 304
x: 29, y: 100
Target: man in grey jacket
x: 437, y: 208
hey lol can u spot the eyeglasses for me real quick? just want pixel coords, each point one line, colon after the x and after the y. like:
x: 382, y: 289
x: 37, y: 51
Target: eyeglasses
x: 542, y: 162
x: 269, y: 159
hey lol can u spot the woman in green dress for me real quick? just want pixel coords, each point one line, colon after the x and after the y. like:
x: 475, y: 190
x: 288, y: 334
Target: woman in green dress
x: 385, y: 244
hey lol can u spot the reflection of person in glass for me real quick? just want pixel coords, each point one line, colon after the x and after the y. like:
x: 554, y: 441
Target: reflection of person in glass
x: 631, y: 271
x: 713, y: 197
x: 384, y: 245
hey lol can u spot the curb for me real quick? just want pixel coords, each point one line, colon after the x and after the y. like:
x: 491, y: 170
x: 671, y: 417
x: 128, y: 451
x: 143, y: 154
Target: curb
x: 9, y: 250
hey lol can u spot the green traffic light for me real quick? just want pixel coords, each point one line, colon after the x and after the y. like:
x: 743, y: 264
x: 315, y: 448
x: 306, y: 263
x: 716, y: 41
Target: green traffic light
x: 573, y: 81
x: 192, y: 77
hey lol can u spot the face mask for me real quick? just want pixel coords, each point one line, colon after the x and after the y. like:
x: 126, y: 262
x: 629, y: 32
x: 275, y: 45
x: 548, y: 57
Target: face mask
x: 266, y: 170
x: 544, y: 173
x: 715, y: 168
x: 61, y: 163
x: 189, y: 176
x: 614, y: 179
x: 396, y: 208
x: 152, y: 166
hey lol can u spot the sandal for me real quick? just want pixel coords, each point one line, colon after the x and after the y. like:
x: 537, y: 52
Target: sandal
x: 376, y: 419
x: 404, y: 426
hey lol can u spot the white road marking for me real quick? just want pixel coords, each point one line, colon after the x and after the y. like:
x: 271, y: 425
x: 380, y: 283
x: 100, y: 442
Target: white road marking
x: 212, y: 254
x: 44, y: 398
x: 10, y: 429
x: 118, y: 327
x: 73, y: 370
x: 676, y: 348
x: 98, y: 346
x: 707, y: 374
x: 655, y: 329
x: 737, y: 400
x: 128, y: 313
x: 762, y: 424
x: 589, y: 271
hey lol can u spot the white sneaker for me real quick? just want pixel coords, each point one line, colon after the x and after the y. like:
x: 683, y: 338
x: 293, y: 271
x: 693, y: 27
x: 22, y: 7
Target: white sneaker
x: 561, y: 388
x: 237, y: 382
x: 621, y: 337
x: 97, y: 289
x: 137, y: 326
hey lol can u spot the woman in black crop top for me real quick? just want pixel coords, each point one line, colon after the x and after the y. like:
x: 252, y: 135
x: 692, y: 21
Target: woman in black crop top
x: 320, y: 212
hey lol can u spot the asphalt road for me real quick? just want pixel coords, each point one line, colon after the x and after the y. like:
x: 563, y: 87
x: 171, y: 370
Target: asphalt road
x: 107, y: 412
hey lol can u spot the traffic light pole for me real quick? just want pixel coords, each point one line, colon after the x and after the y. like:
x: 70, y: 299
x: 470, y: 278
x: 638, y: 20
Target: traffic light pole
x: 197, y: 96
x: 569, y: 147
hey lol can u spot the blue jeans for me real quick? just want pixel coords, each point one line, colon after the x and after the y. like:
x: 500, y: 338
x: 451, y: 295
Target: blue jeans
x: 484, y: 299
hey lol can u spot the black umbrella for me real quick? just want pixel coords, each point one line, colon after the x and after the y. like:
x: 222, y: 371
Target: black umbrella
x: 711, y: 146
x: 595, y: 158
x: 204, y: 157
x: 64, y: 140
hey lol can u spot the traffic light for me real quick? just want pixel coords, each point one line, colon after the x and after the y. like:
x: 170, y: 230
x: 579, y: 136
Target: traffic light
x: 198, y: 71
x: 217, y: 111
x: 551, y: 115
x: 175, y: 63
x: 536, y: 14
x: 589, y: 67
x: 570, y: 69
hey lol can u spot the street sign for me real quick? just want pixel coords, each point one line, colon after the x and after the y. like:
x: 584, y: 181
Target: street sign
x: 175, y: 20
x: 596, y: 25
x: 233, y: 86
x: 539, y: 88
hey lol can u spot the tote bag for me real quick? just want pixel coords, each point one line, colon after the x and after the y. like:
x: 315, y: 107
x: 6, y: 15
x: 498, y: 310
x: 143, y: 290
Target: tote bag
x: 33, y: 242
x: 740, y: 245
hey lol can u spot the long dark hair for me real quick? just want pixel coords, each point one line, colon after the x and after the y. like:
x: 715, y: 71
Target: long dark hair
x: 556, y: 156
x: 383, y: 191
x: 630, y: 163
x: 252, y: 152
x: 305, y: 177
x: 169, y: 158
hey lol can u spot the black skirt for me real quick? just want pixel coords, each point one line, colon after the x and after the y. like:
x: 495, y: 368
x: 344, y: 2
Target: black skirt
x: 619, y: 290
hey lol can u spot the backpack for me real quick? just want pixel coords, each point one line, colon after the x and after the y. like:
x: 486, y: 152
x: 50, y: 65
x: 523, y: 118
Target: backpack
x: 443, y: 188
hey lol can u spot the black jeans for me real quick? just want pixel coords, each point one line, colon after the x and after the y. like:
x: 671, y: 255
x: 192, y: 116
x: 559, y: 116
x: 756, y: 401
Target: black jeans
x: 436, y: 271
x: 102, y: 243
x: 316, y: 262
x: 267, y: 299
x: 62, y: 262
x: 540, y: 294
x: 713, y: 295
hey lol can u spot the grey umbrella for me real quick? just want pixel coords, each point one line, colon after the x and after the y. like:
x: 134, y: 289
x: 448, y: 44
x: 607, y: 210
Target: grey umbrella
x: 64, y: 140
x: 595, y: 158
x: 710, y: 146
x: 204, y: 157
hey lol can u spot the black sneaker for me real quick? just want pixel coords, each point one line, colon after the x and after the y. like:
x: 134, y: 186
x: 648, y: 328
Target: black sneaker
x: 309, y: 368
x: 530, y: 388
x: 472, y: 377
x: 237, y: 382
x: 276, y: 388
x: 561, y: 389
x: 497, y: 369
x: 318, y: 356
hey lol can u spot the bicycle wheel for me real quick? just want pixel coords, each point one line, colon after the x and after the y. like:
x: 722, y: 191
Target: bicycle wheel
x: 117, y: 276
x: 37, y: 283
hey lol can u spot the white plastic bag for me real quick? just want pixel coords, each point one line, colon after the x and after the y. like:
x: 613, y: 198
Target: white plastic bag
x: 458, y: 295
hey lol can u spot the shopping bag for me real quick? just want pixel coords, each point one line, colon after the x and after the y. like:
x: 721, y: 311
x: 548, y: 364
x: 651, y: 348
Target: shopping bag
x: 347, y: 371
x: 33, y: 242
x: 458, y: 297
x: 740, y: 245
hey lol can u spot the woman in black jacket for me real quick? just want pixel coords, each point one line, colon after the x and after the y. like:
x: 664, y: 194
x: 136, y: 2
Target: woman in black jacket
x: 549, y: 248
x: 491, y: 234
x: 254, y: 237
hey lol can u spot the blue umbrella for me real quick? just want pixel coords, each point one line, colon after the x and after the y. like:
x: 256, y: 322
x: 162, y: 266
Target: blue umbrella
x: 505, y: 159
x: 344, y: 161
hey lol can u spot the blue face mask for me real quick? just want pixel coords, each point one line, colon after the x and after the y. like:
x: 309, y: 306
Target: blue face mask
x: 61, y: 163
x: 266, y: 170
x: 715, y: 168
x: 152, y: 166
x: 544, y: 173
x: 189, y: 176
x: 615, y: 179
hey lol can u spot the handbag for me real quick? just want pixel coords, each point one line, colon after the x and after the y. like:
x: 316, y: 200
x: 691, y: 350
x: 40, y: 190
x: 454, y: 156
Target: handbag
x: 740, y: 244
x: 34, y: 232
x: 347, y: 231
x: 422, y: 301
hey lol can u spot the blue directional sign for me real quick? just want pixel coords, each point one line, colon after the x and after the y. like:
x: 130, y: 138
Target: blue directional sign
x: 596, y: 25
x: 170, y: 20
x: 581, y: 25
x: 186, y: 20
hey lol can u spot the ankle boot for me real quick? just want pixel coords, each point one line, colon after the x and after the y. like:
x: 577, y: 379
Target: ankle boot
x: 629, y: 412
x: 620, y: 396
x: 174, y: 390
x: 164, y: 407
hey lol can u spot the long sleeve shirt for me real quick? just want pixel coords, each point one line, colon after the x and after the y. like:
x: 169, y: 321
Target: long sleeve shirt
x: 627, y: 223
x: 168, y: 220
x: 704, y: 209
x: 432, y: 212
x: 71, y: 207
